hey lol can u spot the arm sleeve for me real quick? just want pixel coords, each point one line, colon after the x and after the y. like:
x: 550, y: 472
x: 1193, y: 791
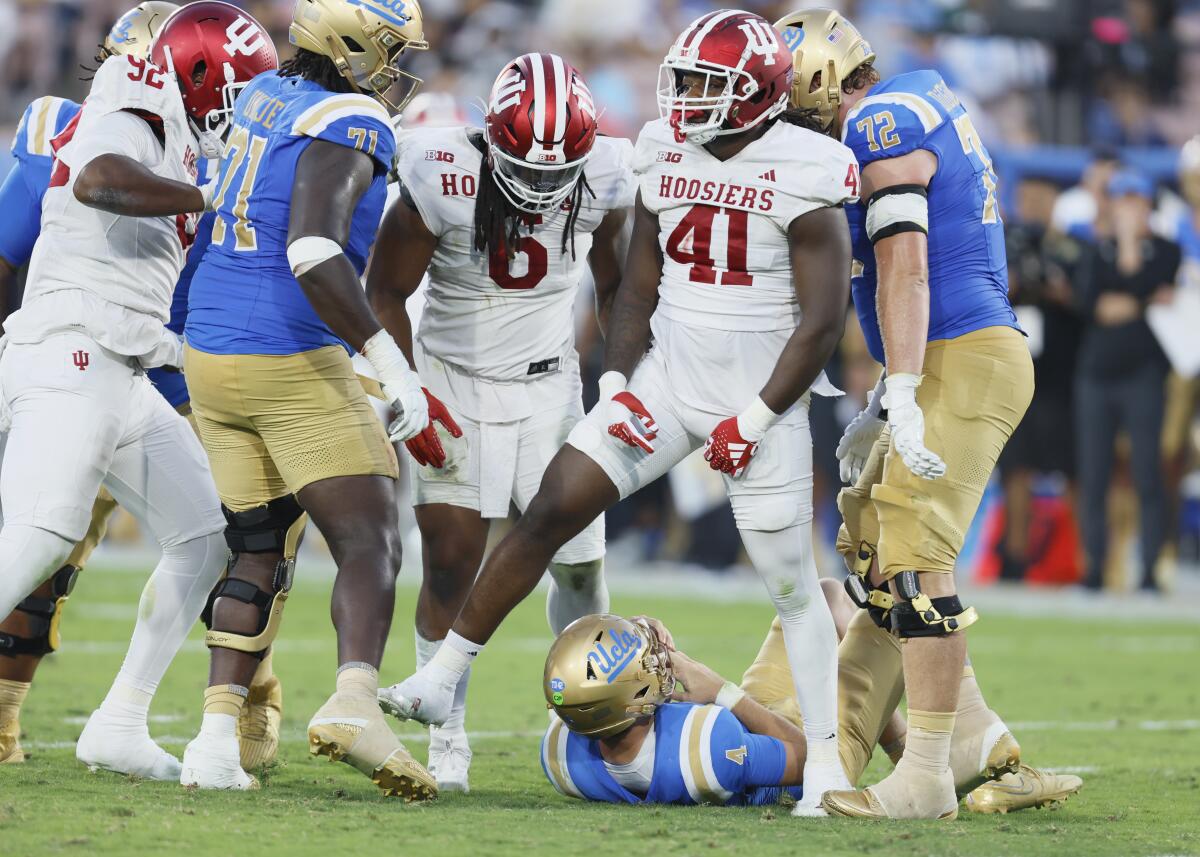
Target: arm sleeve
x: 116, y: 133
x: 20, y: 216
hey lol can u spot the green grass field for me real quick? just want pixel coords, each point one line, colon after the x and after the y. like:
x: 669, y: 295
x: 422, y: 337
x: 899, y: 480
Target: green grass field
x: 1117, y: 701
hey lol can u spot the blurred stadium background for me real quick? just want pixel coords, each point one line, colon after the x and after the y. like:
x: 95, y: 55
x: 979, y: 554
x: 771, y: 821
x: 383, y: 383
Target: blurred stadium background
x: 1064, y: 92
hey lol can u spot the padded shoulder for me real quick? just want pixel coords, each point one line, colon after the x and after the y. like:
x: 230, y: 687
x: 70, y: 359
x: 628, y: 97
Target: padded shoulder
x: 40, y: 123
x: 897, y: 116
x: 351, y: 120
x: 610, y: 174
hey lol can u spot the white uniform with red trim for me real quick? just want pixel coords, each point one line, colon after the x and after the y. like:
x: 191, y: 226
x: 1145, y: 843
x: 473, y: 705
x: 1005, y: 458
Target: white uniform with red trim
x: 496, y: 341
x: 726, y: 308
x: 72, y: 374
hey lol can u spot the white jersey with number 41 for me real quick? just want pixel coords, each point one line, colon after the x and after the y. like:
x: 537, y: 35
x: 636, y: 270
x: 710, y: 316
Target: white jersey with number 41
x: 723, y: 225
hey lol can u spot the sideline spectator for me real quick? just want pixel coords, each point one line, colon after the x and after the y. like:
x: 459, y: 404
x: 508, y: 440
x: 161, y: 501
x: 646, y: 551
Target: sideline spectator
x: 1122, y: 370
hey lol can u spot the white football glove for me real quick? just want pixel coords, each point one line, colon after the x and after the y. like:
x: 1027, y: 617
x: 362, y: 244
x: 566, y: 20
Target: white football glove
x: 907, y: 423
x: 401, y: 386
x: 860, y: 436
x: 627, y: 418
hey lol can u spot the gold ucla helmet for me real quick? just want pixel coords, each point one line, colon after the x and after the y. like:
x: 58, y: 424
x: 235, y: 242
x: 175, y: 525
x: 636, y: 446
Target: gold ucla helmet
x: 604, y: 672
x: 365, y: 39
x: 135, y: 30
x: 825, y: 48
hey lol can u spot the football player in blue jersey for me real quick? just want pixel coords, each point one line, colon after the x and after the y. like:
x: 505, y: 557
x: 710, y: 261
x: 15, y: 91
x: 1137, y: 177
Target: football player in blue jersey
x: 31, y: 631
x: 637, y: 722
x: 275, y: 312
x: 931, y: 292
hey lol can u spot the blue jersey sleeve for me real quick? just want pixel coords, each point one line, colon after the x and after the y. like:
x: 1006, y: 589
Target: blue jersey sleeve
x: 354, y: 121
x: 21, y: 212
x: 742, y: 760
x: 887, y: 126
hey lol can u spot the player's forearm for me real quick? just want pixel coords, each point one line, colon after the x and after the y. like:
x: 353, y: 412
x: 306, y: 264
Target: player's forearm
x: 393, y: 315
x: 761, y: 721
x: 333, y: 289
x: 902, y: 301
x: 120, y: 185
x: 604, y: 306
x: 802, y: 359
x: 628, y: 329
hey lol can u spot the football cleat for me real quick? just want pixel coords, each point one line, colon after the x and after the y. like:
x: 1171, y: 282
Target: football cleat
x: 258, y: 724
x: 450, y: 760
x: 352, y: 730
x: 1028, y: 788
x: 426, y: 696
x: 982, y: 756
x: 10, y: 742
x: 125, y: 748
x: 905, y: 793
x: 210, y: 761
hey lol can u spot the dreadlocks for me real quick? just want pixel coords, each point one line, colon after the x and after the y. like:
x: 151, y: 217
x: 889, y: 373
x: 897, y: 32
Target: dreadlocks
x: 316, y: 68
x: 498, y: 222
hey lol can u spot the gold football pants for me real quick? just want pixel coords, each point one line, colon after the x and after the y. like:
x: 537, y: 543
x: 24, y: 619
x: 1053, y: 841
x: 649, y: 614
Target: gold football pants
x: 870, y: 684
x: 975, y: 390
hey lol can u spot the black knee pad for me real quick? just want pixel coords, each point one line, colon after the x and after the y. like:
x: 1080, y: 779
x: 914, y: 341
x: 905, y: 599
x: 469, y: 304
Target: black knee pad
x: 931, y: 617
x: 877, y: 602
x: 264, y: 529
x: 272, y: 528
x: 44, y: 616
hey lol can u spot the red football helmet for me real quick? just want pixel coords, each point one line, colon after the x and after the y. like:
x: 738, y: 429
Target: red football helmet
x: 541, y: 124
x: 727, y: 72
x: 213, y: 50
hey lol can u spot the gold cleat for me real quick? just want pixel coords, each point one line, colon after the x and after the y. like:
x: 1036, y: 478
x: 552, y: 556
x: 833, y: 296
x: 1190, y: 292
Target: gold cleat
x: 363, y: 740
x: 1027, y: 788
x: 864, y: 804
x: 972, y: 769
x: 10, y: 743
x: 258, y: 724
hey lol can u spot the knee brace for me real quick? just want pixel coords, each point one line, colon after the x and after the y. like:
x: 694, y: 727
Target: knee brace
x: 877, y: 602
x: 273, y: 528
x: 44, y: 617
x: 918, y: 615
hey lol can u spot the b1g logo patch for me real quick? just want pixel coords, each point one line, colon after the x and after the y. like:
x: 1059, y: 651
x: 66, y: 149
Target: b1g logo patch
x: 670, y: 157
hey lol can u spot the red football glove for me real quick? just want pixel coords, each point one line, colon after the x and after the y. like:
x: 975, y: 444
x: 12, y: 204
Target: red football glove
x: 426, y: 448
x: 726, y: 450
x: 630, y: 422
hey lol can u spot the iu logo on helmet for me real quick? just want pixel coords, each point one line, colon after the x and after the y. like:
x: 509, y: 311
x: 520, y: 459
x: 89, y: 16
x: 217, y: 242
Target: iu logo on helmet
x: 244, y: 38
x: 760, y: 38
x: 81, y: 359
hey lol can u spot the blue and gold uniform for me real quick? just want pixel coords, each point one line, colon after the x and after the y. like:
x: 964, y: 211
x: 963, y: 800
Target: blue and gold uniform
x: 702, y: 754
x: 276, y: 399
x: 968, y: 271
x: 978, y: 374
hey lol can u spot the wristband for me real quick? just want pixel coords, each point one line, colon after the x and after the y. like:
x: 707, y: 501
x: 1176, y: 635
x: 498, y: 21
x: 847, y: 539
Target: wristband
x: 385, y: 356
x: 756, y: 419
x: 611, y: 383
x: 729, y: 695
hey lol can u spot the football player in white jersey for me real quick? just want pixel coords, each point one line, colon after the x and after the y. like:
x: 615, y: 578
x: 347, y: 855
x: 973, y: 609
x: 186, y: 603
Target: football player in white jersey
x: 505, y: 219
x: 739, y: 266
x: 116, y: 222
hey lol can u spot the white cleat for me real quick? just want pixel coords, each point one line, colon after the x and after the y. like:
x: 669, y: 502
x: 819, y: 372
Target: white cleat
x: 450, y: 760
x: 213, y: 762
x: 125, y: 748
x: 427, y: 696
x: 819, y: 777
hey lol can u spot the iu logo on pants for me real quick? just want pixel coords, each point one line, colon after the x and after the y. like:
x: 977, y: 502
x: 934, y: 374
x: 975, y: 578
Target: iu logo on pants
x: 81, y: 359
